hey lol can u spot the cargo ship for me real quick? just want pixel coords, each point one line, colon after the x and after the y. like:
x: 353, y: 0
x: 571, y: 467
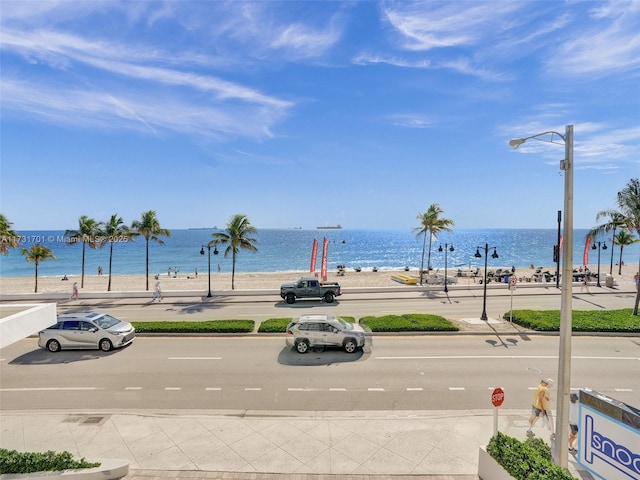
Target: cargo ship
x: 330, y: 227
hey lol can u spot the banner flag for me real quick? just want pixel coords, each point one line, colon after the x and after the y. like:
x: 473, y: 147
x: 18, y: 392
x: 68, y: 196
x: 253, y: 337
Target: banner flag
x: 585, y: 255
x: 314, y: 256
x: 561, y: 243
x: 325, y: 247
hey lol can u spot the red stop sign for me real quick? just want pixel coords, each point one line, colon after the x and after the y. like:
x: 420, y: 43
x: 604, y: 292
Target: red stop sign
x: 497, y: 397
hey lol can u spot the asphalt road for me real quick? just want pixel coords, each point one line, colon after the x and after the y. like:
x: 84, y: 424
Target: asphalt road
x: 395, y: 373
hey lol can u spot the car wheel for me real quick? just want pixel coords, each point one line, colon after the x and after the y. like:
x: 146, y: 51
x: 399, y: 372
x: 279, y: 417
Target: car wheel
x: 53, y: 346
x: 350, y: 345
x: 302, y: 346
x: 291, y: 298
x: 105, y: 345
x: 328, y: 297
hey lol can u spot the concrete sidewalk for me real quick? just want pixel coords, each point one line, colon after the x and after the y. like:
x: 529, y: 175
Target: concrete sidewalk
x: 268, y: 445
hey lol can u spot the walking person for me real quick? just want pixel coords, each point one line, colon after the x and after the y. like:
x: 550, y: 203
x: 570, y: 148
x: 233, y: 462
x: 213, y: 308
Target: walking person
x: 157, y: 293
x: 573, y: 422
x: 540, y: 403
x: 74, y: 291
x: 586, y: 280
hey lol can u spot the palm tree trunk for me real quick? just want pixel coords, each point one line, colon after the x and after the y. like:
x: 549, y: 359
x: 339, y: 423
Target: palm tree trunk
x: 82, y: 276
x: 110, y: 258
x: 613, y: 242
x: 620, y: 262
x: 635, y: 307
x: 429, y: 256
x: 233, y: 269
x: 147, y: 264
x: 36, y: 290
x: 424, y: 242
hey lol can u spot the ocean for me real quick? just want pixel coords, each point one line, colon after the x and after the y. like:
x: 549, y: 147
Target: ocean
x: 282, y: 250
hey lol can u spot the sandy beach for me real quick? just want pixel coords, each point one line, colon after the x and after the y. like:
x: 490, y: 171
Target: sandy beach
x: 254, y: 281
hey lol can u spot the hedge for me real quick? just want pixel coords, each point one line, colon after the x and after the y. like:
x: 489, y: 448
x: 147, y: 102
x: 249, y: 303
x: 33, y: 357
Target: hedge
x: 410, y: 322
x: 622, y: 321
x: 213, y: 326
x: 12, y: 461
x: 528, y: 460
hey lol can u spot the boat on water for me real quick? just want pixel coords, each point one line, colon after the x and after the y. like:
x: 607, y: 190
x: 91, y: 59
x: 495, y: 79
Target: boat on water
x: 330, y: 227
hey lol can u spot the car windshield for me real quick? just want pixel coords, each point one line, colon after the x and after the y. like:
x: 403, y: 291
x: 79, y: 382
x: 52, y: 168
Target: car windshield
x: 106, y: 321
x: 344, y: 324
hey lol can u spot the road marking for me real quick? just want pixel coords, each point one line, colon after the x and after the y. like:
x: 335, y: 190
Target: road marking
x: 623, y: 389
x: 297, y: 389
x: 172, y: 389
x: 376, y: 389
x: 252, y: 389
x: 195, y: 358
x: 133, y: 388
x: 337, y: 389
x: 213, y: 389
x: 456, y: 389
x: 416, y: 389
x: 50, y: 389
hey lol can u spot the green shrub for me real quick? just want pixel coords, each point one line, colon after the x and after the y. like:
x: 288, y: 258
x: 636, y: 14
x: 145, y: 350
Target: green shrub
x: 212, y: 326
x: 581, y: 320
x: 12, y: 461
x: 528, y: 460
x: 274, y: 325
x: 410, y: 322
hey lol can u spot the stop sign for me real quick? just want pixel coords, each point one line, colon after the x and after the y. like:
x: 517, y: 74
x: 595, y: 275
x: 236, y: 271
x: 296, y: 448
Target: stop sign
x: 497, y: 397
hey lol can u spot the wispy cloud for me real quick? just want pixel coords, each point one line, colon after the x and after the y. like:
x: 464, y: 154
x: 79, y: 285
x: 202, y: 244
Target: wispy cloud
x: 373, y: 59
x: 411, y: 120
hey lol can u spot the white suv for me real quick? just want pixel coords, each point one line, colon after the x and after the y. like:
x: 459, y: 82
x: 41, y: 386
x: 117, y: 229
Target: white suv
x: 324, y: 331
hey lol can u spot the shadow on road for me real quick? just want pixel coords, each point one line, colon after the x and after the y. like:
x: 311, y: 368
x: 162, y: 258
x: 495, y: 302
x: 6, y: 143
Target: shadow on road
x: 44, y: 357
x: 319, y: 356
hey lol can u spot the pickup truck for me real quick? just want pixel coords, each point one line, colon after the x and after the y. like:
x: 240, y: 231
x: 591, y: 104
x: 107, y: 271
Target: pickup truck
x: 309, y: 287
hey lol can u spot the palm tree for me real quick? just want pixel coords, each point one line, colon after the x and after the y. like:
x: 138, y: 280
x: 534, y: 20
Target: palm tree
x: 87, y: 234
x: 431, y: 222
x: 113, y: 231
x: 237, y: 236
x: 623, y: 238
x: 616, y: 220
x: 8, y: 238
x: 629, y: 205
x: 149, y: 227
x: 37, y: 253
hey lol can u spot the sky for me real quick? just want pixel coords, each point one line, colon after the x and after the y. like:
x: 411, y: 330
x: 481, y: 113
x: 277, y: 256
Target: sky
x: 305, y: 114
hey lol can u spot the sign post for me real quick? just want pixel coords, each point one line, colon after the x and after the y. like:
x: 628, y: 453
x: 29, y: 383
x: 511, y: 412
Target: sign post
x: 497, y: 397
x: 512, y: 286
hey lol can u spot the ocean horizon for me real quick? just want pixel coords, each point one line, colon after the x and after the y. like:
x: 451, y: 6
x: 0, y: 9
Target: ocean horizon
x: 283, y: 250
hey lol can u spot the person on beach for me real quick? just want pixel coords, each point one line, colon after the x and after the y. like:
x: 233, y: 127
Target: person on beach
x: 157, y: 293
x: 195, y: 272
x: 573, y: 422
x: 540, y: 403
x: 169, y: 272
x: 100, y: 270
x: 74, y: 291
x: 585, y: 280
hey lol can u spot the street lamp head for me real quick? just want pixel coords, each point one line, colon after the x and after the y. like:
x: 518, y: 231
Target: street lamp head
x: 604, y: 246
x: 477, y: 254
x: 202, y: 251
x: 593, y: 247
x: 440, y: 248
x: 516, y: 142
x: 494, y: 254
x: 451, y: 249
x: 215, y: 250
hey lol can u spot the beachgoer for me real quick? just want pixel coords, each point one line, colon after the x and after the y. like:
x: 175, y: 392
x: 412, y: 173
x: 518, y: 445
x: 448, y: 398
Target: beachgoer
x: 157, y: 293
x: 169, y: 272
x: 585, y: 280
x: 74, y: 291
x: 573, y: 422
x: 540, y: 403
x: 218, y: 268
x: 635, y: 278
x: 99, y: 270
x: 64, y: 278
x: 196, y: 272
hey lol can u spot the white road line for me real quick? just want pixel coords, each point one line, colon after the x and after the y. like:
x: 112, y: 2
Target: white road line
x: 50, y: 389
x: 415, y: 389
x: 376, y: 389
x: 296, y: 389
x: 195, y: 358
x: 456, y: 389
x: 133, y: 388
x: 252, y: 389
x: 337, y: 389
x: 623, y: 389
x: 172, y: 389
x: 213, y: 389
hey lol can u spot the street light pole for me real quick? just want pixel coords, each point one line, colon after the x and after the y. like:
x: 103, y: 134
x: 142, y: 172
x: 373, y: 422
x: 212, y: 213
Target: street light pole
x: 484, y: 296
x: 604, y: 247
x: 560, y: 448
x: 451, y: 249
x: 215, y: 252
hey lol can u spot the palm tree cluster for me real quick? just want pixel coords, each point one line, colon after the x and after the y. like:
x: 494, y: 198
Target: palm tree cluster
x: 625, y: 220
x: 433, y: 224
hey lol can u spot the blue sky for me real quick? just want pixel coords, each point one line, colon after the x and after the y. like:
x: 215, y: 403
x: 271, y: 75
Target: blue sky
x: 300, y: 114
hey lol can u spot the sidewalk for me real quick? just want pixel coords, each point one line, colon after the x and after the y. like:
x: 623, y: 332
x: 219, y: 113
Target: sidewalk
x: 435, y: 445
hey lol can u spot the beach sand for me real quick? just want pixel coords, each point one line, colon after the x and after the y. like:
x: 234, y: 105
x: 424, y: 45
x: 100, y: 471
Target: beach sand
x: 252, y: 281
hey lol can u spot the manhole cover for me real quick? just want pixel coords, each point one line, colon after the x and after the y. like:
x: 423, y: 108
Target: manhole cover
x: 93, y: 420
